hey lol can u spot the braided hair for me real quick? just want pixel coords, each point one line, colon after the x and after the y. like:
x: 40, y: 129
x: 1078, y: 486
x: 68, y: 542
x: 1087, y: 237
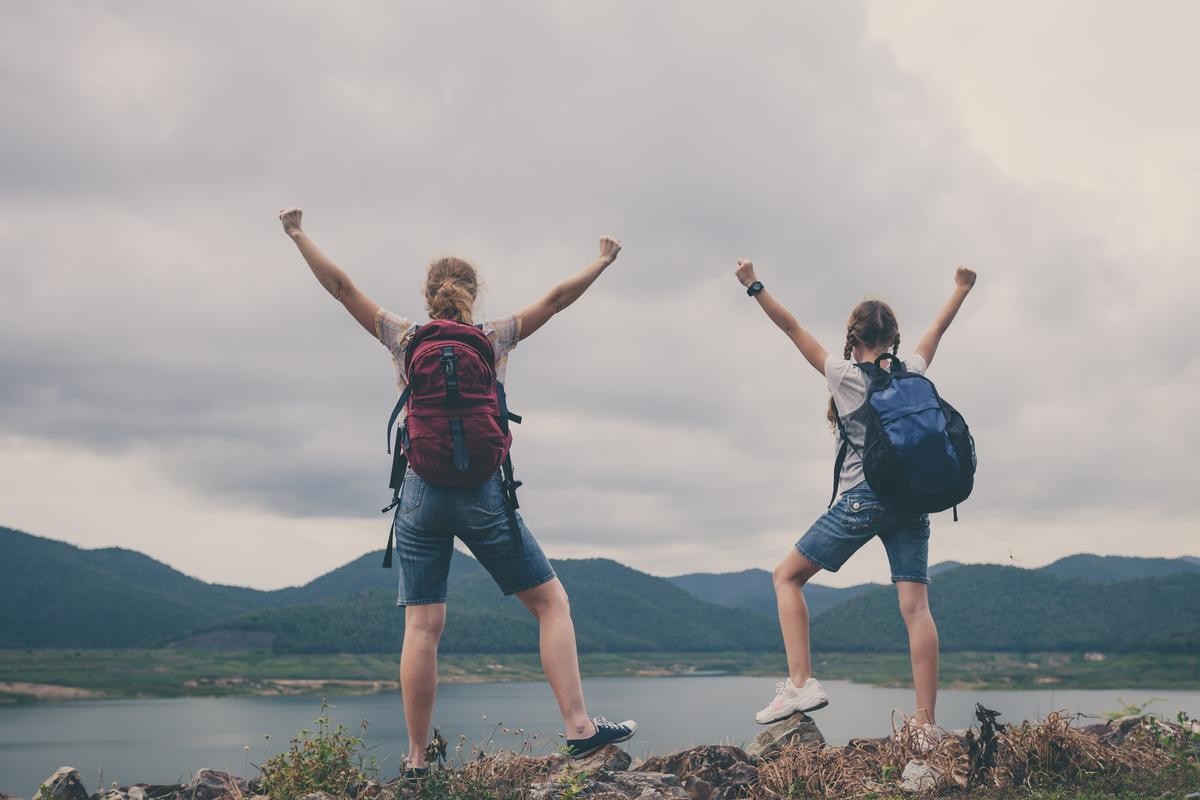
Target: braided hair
x: 872, y: 324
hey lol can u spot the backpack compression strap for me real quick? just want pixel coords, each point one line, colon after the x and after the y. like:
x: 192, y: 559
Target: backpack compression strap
x: 509, y: 485
x: 399, y: 465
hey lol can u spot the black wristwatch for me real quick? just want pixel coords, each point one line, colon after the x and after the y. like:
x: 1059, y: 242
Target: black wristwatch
x: 754, y: 288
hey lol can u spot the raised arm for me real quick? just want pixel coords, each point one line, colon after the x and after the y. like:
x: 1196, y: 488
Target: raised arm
x: 331, y: 276
x: 569, y: 290
x: 809, y: 347
x: 964, y: 280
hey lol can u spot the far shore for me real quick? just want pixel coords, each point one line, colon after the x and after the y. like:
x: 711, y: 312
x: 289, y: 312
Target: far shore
x: 67, y: 675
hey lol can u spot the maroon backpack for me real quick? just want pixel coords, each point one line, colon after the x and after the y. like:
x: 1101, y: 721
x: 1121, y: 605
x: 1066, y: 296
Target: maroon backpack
x: 456, y: 430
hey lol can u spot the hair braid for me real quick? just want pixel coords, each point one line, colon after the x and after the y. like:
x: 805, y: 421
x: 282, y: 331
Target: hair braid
x: 831, y: 413
x: 872, y: 325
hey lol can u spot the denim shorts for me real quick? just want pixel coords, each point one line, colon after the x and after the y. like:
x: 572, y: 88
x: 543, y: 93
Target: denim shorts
x: 854, y: 520
x: 428, y: 519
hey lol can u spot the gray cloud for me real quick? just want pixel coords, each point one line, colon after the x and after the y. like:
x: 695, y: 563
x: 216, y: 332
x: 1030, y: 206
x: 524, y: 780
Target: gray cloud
x: 151, y: 303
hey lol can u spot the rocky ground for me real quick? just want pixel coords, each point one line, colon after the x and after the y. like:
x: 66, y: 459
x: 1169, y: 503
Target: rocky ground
x: 787, y: 759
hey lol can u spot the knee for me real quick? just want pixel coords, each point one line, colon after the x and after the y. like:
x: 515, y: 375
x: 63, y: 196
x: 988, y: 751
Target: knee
x: 429, y: 627
x: 914, y: 609
x: 784, y: 576
x: 553, y: 602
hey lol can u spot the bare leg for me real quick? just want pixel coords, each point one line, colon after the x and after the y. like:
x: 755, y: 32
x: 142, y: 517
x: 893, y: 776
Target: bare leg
x: 790, y: 576
x: 560, y: 661
x: 423, y: 627
x: 922, y: 645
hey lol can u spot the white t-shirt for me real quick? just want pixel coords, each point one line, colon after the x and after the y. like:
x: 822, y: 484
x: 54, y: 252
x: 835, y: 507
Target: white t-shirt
x: 848, y: 385
x: 394, y: 331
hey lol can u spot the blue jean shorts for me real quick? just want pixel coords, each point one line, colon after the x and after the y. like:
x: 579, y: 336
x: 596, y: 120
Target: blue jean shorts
x: 428, y: 519
x: 854, y: 520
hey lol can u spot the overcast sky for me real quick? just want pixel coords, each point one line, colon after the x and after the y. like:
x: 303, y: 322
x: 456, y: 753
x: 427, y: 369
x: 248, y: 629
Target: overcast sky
x: 173, y: 380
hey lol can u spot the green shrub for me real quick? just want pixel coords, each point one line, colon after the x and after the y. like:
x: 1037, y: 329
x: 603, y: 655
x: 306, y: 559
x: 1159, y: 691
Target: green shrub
x: 328, y: 761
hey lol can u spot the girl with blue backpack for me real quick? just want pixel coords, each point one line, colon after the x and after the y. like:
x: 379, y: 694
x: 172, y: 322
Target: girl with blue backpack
x: 893, y: 428
x: 453, y: 477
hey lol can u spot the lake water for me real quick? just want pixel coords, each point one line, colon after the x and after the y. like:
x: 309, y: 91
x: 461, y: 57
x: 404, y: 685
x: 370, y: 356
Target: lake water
x: 164, y: 741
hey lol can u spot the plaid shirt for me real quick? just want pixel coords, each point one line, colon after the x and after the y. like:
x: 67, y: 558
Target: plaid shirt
x: 395, y: 332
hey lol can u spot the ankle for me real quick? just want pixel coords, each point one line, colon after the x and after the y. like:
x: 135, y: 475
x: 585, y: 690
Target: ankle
x: 580, y: 729
x: 415, y: 761
x: 800, y: 678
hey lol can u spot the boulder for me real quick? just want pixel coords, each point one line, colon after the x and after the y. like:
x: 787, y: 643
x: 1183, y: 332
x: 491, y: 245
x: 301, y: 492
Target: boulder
x: 798, y: 729
x: 157, y: 791
x: 710, y: 772
x: 609, y: 758
x: 648, y: 785
x: 64, y: 784
x: 4, y: 796
x: 604, y: 784
x: 918, y: 777
x: 210, y: 784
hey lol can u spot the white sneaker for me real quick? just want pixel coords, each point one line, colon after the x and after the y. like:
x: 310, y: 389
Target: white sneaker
x: 792, y: 700
x: 925, y: 737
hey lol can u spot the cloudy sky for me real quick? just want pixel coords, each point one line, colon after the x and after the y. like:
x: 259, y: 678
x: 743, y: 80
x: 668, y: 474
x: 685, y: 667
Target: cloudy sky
x: 173, y: 380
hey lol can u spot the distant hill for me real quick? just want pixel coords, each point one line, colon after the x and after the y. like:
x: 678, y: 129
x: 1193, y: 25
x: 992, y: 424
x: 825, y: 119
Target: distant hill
x: 615, y: 608
x: 986, y: 607
x: 1119, y: 568
x: 752, y: 590
x: 53, y: 594
x: 56, y: 595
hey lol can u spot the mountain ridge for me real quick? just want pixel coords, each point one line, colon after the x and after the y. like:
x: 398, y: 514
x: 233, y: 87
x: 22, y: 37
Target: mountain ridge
x: 54, y: 594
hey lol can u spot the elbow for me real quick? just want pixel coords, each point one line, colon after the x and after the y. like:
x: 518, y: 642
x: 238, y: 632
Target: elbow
x: 341, y: 289
x: 558, y: 299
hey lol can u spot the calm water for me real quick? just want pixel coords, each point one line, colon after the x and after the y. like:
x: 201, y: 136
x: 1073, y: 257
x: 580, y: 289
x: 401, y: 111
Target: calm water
x: 159, y: 741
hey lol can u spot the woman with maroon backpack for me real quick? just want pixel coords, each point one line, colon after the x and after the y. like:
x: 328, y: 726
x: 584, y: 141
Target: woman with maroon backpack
x: 452, y: 477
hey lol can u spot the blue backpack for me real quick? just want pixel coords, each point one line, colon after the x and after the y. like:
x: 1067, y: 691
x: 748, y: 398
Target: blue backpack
x: 917, y: 452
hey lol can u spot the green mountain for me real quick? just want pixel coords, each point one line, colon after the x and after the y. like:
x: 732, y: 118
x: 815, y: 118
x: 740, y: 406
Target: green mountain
x: 56, y: 595
x: 615, y: 608
x: 995, y: 608
x: 1107, y: 569
x: 752, y: 590
x: 53, y: 594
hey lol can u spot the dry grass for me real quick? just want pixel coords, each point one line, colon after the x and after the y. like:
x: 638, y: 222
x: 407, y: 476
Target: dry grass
x: 1043, y: 755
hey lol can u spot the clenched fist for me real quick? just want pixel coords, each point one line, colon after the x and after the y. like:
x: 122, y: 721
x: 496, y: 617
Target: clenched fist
x: 290, y: 217
x: 964, y: 276
x: 745, y: 271
x: 609, y: 247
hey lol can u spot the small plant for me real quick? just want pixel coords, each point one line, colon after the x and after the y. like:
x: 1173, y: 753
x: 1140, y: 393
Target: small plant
x: 1131, y: 709
x: 328, y: 761
x: 573, y: 782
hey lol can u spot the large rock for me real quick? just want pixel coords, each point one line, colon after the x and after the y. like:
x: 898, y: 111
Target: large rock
x: 648, y: 785
x: 157, y: 791
x: 918, y: 777
x: 210, y: 784
x: 64, y: 784
x: 798, y: 729
x: 4, y: 796
x: 711, y: 772
x: 609, y: 758
x: 602, y: 776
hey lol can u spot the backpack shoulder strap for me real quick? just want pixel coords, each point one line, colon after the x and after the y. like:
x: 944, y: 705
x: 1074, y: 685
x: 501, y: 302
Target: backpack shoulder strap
x: 839, y: 461
x: 877, y: 376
